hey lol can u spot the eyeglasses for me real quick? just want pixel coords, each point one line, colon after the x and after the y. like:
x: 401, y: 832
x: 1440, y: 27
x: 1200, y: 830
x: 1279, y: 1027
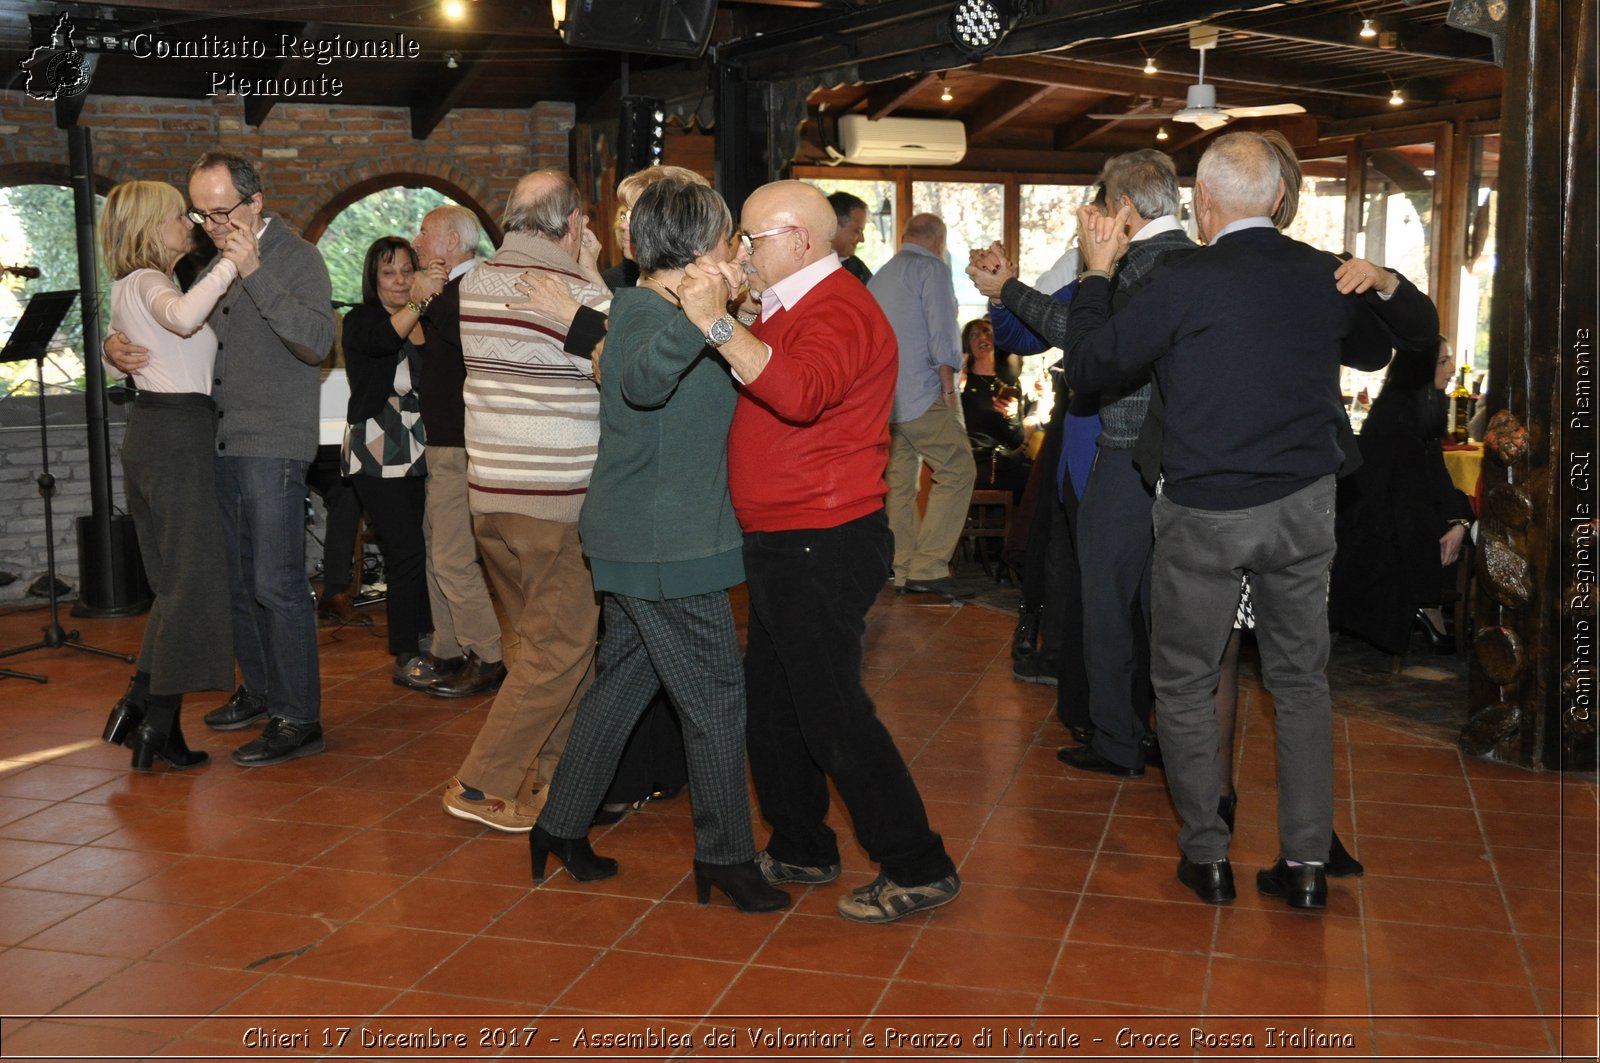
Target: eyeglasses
x: 623, y: 214
x: 747, y: 241
x: 213, y: 217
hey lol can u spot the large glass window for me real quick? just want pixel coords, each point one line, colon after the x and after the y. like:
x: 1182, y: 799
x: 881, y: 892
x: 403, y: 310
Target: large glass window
x: 974, y: 217
x: 392, y: 212
x: 879, y: 196
x: 1320, y: 219
x: 1477, y: 266
x: 1049, y: 224
x: 37, y: 229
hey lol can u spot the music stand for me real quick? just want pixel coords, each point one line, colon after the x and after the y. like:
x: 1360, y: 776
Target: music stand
x: 31, y: 340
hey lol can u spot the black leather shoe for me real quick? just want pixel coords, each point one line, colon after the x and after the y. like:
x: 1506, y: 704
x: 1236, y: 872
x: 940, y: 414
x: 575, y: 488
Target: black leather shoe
x: 1212, y: 883
x: 476, y: 677
x: 282, y: 740
x: 126, y: 716
x: 1086, y: 759
x: 1340, y: 863
x: 1025, y: 639
x: 239, y: 712
x: 1150, y: 748
x: 1303, y: 886
x: 1036, y: 668
x: 945, y: 586
x: 177, y: 752
x: 1083, y: 734
x: 575, y: 855
x: 744, y: 884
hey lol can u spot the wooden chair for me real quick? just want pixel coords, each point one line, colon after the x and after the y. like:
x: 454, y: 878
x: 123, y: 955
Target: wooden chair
x: 988, y: 517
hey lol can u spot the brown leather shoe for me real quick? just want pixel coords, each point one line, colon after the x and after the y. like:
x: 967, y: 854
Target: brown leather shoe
x: 478, y: 677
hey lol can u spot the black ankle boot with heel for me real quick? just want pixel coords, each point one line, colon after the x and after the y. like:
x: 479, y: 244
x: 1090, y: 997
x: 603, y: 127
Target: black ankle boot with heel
x: 744, y: 884
x: 128, y: 713
x: 574, y: 853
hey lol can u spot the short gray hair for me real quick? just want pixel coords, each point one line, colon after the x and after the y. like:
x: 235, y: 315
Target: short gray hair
x: 246, y: 181
x: 542, y: 207
x: 925, y: 227
x: 1147, y: 177
x: 675, y: 222
x: 461, y: 221
x: 1241, y: 174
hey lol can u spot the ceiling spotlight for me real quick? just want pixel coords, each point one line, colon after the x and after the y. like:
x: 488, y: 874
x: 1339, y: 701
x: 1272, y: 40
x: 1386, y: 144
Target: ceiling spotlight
x: 1396, y: 99
x: 977, y: 26
x: 1161, y: 134
x: 454, y: 9
x: 452, y: 59
x: 1429, y: 173
x: 1368, y: 30
x: 946, y: 95
x: 1150, y: 64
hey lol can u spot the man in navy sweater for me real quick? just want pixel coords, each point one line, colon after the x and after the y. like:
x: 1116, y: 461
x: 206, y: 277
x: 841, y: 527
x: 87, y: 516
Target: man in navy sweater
x: 1246, y: 338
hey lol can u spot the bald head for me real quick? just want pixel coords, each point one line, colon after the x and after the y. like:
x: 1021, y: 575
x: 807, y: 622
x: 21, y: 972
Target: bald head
x: 545, y: 203
x: 805, y: 212
x: 926, y: 230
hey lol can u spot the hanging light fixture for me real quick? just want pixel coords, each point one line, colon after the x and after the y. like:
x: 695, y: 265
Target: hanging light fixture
x: 946, y: 95
x: 1150, y: 65
x: 1368, y: 30
x: 1161, y: 134
x: 1396, y: 99
x: 453, y: 10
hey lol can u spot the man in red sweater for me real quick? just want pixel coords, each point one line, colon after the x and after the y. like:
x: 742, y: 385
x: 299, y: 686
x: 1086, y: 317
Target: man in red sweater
x: 806, y: 455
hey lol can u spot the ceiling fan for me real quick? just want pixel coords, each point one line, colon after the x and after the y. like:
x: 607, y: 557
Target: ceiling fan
x: 1201, y: 107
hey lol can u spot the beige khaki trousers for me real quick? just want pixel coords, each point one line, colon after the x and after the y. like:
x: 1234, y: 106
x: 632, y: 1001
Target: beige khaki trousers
x: 923, y: 543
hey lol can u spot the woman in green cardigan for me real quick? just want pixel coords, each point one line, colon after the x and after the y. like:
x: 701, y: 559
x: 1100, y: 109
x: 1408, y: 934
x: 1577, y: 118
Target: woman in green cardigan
x: 664, y: 547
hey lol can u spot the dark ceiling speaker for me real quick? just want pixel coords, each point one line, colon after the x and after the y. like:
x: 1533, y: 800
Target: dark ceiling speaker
x: 651, y: 27
x: 1486, y: 17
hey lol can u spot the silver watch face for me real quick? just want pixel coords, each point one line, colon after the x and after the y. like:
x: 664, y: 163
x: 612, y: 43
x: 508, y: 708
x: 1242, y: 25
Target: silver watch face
x: 720, y: 332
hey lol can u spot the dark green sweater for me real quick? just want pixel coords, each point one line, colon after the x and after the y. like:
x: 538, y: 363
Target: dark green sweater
x: 657, y: 522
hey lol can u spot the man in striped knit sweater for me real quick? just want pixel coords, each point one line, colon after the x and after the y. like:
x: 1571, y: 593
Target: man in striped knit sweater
x: 532, y: 428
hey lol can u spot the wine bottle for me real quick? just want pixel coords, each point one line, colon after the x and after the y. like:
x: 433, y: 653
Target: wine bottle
x: 1460, y: 409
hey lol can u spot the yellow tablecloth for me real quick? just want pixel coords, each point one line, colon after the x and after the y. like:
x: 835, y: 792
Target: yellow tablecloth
x: 1464, y: 467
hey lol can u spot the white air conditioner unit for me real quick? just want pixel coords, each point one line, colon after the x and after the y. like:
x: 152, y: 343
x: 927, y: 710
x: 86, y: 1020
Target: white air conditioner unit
x: 902, y: 141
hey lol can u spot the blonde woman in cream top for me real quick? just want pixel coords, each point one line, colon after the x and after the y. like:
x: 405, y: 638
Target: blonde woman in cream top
x: 168, y: 473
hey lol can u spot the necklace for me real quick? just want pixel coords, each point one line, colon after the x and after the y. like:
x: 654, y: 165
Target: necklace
x: 653, y: 282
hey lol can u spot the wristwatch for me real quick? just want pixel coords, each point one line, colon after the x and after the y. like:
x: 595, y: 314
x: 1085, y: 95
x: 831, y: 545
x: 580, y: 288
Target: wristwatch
x: 720, y: 332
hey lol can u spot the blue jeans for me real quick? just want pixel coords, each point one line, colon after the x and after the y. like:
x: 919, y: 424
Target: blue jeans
x: 274, y: 619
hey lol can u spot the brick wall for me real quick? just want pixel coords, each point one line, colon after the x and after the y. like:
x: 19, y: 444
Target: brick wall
x: 312, y: 157
x: 308, y: 154
x: 22, y: 538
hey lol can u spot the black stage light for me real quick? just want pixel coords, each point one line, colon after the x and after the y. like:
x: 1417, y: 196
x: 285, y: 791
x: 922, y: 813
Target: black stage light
x: 978, y: 26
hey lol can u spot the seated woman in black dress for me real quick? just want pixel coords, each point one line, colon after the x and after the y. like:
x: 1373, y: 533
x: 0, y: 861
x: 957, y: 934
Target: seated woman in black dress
x: 992, y: 406
x: 1401, y: 520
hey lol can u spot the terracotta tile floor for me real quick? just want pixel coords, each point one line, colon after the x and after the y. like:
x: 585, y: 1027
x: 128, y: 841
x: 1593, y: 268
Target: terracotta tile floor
x: 231, y: 913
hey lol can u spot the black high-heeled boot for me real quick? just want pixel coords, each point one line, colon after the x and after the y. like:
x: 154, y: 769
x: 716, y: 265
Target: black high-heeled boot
x: 574, y: 853
x: 1025, y: 639
x: 177, y: 752
x: 148, y: 743
x: 744, y: 884
x: 128, y: 713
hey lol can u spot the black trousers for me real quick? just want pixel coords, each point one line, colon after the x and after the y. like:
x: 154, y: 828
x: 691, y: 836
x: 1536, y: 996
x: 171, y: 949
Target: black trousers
x: 809, y: 716
x: 344, y: 514
x: 396, y: 506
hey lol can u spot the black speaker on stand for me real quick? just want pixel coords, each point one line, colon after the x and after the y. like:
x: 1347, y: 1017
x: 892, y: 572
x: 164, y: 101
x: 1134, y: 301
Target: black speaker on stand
x: 641, y: 135
x: 645, y: 27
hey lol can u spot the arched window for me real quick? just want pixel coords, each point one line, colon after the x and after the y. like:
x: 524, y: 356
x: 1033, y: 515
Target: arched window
x: 37, y: 229
x: 395, y: 211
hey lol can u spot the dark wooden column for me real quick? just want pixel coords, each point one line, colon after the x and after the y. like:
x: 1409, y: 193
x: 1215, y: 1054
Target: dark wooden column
x: 1533, y: 675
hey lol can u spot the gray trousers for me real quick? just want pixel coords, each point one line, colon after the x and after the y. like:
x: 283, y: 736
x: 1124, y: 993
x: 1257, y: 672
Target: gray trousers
x: 688, y: 646
x: 1286, y: 548
x: 168, y: 475
x: 1115, y: 542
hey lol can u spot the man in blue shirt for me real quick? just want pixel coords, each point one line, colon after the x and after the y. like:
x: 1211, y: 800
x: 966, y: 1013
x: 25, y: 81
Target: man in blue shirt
x: 918, y: 296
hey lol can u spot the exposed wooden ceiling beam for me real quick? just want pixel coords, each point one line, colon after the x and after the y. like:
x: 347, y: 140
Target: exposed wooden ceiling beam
x: 1003, y: 103
x: 1341, y: 31
x: 1232, y: 70
x: 425, y: 117
x: 886, y: 98
x: 497, y: 17
x: 1081, y: 129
